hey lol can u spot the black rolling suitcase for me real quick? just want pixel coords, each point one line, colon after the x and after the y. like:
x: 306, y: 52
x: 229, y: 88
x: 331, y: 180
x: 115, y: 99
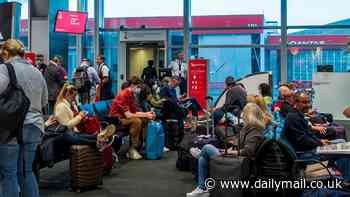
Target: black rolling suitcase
x: 229, y: 168
x: 175, y: 134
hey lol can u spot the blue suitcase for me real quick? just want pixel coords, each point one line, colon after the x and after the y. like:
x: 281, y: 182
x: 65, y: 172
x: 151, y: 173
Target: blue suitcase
x: 155, y: 140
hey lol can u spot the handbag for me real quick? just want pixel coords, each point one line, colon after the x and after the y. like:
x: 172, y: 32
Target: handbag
x: 90, y: 125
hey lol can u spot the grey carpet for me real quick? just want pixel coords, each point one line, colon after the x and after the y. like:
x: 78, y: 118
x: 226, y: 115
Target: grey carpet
x: 144, y: 178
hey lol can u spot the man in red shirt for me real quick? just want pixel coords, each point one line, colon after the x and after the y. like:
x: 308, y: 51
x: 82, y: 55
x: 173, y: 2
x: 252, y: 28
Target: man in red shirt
x: 124, y: 107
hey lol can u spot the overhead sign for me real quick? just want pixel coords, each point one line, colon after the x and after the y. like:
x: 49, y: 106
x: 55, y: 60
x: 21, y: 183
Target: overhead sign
x: 143, y: 36
x: 198, y: 80
x: 310, y: 40
x: 71, y: 22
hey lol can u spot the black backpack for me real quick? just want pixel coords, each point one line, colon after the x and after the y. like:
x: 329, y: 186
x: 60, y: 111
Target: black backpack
x: 14, y: 105
x: 275, y: 160
x: 81, y: 79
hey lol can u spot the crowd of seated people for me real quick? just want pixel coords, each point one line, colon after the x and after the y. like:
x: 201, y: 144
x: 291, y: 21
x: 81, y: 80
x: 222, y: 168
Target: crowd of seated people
x: 300, y: 128
x: 137, y: 103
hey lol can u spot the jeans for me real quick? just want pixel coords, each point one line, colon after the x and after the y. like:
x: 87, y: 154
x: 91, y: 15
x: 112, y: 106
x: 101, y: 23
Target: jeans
x: 27, y: 181
x: 203, y: 163
x: 8, y: 170
x: 71, y: 138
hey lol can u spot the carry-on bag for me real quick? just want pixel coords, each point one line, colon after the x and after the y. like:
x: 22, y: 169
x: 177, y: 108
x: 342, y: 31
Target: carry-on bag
x: 86, y: 167
x: 230, y: 168
x: 155, y: 140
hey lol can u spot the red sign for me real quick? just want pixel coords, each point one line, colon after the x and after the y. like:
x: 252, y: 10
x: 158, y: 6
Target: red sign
x: 198, y: 80
x: 310, y: 40
x: 71, y: 22
x: 30, y: 57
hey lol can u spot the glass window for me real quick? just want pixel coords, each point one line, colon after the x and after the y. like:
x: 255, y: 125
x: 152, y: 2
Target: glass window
x: 316, y: 12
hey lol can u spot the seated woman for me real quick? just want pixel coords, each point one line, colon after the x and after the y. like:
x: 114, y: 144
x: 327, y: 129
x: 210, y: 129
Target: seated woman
x: 66, y: 113
x: 250, y: 137
x: 260, y: 101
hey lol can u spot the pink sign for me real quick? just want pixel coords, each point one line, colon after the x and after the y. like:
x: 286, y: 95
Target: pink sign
x: 71, y: 22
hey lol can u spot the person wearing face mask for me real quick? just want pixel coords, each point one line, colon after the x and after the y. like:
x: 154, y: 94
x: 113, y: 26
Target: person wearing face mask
x: 17, y: 159
x: 125, y: 108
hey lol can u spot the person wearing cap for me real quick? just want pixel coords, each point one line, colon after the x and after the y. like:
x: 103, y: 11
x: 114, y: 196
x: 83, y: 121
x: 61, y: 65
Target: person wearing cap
x: 17, y: 159
x: 236, y: 99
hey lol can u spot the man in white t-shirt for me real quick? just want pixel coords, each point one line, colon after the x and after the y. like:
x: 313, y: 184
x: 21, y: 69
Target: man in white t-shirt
x: 104, y: 74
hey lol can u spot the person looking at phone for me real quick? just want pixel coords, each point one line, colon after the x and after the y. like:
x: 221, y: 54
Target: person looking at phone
x: 250, y: 138
x: 125, y: 108
x: 66, y: 113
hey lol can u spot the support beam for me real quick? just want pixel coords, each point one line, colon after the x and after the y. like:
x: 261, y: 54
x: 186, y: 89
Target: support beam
x: 83, y: 7
x: 99, y: 22
x: 187, y: 22
x: 284, y: 42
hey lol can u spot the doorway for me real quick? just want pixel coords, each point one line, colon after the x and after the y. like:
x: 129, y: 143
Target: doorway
x: 139, y: 53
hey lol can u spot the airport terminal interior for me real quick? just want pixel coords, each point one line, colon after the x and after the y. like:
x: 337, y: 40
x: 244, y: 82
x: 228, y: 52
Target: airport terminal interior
x: 174, y: 98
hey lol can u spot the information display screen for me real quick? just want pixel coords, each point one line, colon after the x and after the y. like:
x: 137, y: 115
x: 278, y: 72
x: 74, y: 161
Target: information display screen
x: 71, y: 22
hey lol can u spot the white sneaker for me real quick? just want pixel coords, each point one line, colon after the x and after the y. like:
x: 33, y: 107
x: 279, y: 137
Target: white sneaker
x: 134, y: 155
x: 198, y: 192
x: 166, y: 149
x: 195, y: 152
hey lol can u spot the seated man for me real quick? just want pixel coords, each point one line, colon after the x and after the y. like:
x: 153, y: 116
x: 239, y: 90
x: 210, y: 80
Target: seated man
x: 235, y: 100
x: 285, y: 102
x: 175, y: 105
x: 124, y: 107
x: 297, y: 129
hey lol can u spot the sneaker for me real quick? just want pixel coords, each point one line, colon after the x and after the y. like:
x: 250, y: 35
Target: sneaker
x: 102, y: 145
x: 166, y: 149
x: 195, y: 152
x: 198, y: 192
x: 106, y: 134
x: 134, y: 155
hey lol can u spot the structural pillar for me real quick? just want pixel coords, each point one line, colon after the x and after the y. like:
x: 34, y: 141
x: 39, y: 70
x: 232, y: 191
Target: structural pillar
x: 82, y: 7
x: 187, y: 22
x: 98, y: 23
x: 284, y: 42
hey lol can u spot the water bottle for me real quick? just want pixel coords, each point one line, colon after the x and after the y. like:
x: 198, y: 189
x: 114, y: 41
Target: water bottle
x: 125, y: 140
